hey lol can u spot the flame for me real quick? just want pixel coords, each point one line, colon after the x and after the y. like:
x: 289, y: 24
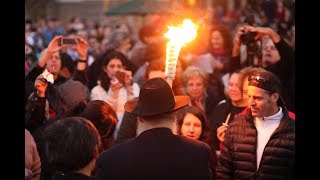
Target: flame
x: 179, y: 35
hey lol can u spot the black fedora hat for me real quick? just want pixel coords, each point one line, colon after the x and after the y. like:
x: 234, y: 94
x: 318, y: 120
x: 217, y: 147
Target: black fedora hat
x: 156, y: 97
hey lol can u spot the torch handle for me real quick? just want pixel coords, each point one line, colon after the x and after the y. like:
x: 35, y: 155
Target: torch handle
x: 169, y: 81
x: 172, y: 54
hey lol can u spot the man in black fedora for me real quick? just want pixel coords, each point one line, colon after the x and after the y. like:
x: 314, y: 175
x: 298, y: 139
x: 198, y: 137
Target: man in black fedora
x: 156, y: 153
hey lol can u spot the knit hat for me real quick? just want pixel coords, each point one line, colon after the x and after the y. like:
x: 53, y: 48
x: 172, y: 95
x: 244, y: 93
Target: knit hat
x: 73, y: 93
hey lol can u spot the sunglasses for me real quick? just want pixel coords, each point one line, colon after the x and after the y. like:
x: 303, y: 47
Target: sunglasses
x: 256, y: 78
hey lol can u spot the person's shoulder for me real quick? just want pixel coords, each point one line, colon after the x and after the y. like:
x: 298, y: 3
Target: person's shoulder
x: 206, y: 55
x: 27, y: 133
x: 116, y: 149
x: 191, y: 143
x: 240, y: 120
x: 292, y: 115
x: 135, y: 85
x: 222, y: 103
x: 113, y: 154
x: 97, y: 88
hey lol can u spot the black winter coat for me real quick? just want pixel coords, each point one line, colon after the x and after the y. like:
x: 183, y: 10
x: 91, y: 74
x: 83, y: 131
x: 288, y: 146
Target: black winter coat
x: 155, y: 154
x: 238, y: 159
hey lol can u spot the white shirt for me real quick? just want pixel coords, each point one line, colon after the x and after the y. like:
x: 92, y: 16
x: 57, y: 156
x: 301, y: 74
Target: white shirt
x: 265, y: 127
x: 116, y: 101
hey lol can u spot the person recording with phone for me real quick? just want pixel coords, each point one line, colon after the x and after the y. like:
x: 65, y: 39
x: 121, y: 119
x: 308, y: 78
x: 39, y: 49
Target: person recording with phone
x: 42, y: 99
x: 53, y: 56
x: 115, y: 85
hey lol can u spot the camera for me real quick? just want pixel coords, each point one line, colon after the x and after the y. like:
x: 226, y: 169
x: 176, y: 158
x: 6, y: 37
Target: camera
x: 247, y: 38
x: 253, y: 48
x: 68, y: 41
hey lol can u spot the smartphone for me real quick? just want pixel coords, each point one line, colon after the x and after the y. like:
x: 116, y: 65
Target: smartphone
x: 121, y: 76
x: 68, y: 41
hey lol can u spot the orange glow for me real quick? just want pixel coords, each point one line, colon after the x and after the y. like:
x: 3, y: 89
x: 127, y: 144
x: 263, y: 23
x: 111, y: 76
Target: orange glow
x: 178, y: 36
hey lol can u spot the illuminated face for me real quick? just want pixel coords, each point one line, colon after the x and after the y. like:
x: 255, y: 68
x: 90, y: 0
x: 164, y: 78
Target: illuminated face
x: 216, y: 40
x: 113, y: 66
x: 233, y: 88
x: 191, y: 126
x: 54, y: 63
x: 270, y: 54
x: 195, y: 87
x: 260, y: 102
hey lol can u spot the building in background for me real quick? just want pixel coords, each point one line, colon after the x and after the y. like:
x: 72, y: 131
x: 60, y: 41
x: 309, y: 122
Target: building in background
x: 110, y: 12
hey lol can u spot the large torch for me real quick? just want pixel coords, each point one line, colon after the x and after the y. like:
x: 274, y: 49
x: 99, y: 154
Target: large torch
x: 178, y: 36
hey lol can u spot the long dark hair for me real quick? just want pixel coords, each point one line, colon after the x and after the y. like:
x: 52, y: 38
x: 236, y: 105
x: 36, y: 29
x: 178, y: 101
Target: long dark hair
x: 226, y: 35
x: 205, y: 136
x: 95, y: 70
x: 104, y: 119
x: 103, y: 77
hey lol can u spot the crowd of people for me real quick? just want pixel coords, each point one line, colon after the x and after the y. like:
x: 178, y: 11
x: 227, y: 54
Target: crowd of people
x: 101, y: 108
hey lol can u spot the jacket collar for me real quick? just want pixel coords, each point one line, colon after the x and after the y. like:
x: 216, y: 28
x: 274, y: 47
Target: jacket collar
x: 163, y: 131
x: 286, y: 123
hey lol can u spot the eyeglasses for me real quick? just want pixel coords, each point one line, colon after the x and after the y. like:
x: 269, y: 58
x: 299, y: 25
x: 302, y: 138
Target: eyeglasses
x: 256, y: 78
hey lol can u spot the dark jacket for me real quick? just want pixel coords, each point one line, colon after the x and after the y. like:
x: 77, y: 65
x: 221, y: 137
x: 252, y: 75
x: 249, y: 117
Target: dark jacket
x: 213, y: 99
x: 35, y: 119
x: 128, y: 128
x: 238, y: 159
x: 71, y: 176
x: 156, y: 153
x: 129, y: 122
x: 219, y: 114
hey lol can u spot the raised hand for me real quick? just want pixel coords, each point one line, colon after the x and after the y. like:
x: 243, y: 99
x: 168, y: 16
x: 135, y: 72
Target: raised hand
x: 221, y: 132
x: 54, y: 45
x: 128, y: 78
x: 41, y: 85
x: 237, y: 42
x: 261, y: 31
x: 115, y: 85
x: 82, y: 48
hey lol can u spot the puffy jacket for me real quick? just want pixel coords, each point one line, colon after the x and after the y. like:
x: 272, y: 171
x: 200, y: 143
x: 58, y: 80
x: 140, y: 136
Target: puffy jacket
x: 238, y: 159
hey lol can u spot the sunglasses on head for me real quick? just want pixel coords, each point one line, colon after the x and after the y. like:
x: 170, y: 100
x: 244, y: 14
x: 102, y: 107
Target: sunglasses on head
x: 256, y: 78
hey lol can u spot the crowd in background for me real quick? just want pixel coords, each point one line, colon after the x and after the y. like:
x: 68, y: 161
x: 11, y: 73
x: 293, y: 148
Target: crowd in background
x: 94, y: 78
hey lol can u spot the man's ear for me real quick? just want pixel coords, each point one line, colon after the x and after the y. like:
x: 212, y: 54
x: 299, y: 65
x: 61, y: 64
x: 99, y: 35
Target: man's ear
x: 275, y: 96
x: 140, y: 119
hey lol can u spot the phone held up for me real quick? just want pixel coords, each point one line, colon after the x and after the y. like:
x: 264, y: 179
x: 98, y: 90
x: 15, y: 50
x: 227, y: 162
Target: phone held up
x: 68, y: 41
x: 121, y: 76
